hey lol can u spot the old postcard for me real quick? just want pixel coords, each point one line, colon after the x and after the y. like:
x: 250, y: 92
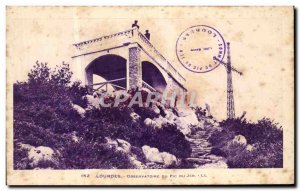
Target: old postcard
x: 150, y: 95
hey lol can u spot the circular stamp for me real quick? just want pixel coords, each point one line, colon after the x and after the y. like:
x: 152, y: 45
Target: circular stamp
x: 196, y: 47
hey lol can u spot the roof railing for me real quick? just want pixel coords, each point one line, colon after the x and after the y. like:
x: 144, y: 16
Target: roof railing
x: 134, y: 32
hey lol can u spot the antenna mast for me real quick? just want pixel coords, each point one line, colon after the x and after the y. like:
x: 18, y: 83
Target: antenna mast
x: 230, y: 99
x: 229, y: 69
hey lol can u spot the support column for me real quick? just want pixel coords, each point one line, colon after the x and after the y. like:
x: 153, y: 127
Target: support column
x: 135, y: 67
x: 89, y: 78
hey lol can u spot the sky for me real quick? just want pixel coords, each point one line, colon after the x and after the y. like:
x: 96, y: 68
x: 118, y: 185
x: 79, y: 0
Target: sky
x: 261, y: 47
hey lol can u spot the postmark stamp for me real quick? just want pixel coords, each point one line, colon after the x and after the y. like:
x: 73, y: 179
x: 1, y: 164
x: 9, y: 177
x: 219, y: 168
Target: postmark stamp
x: 196, y: 47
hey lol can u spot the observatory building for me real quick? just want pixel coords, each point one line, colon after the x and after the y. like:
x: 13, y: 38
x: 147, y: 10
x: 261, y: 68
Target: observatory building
x: 125, y: 60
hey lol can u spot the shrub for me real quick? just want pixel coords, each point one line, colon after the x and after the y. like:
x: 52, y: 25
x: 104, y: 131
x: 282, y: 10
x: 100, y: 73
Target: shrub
x: 43, y: 116
x: 93, y: 155
x: 171, y: 140
x: 265, y: 135
x: 21, y: 160
x: 200, y: 112
x: 116, y: 123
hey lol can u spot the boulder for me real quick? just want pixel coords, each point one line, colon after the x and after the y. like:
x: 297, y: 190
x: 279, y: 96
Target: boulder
x: 26, y: 147
x: 124, y: 145
x: 216, y: 124
x: 250, y: 148
x: 96, y: 94
x: 136, y: 163
x: 79, y: 110
x: 168, y: 158
x: 161, y: 121
x: 41, y: 153
x: 150, y: 123
x: 239, y: 139
x: 134, y: 117
x: 188, y: 114
x: 111, y: 143
x: 200, y: 125
x: 152, y: 154
x: 93, y: 101
x: 155, y: 109
x: 74, y: 137
x: 186, y: 118
x: 169, y: 115
x: 118, y: 144
x: 183, y: 125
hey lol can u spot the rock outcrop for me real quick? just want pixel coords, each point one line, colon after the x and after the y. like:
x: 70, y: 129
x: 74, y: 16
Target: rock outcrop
x: 135, y: 117
x: 151, y: 123
x: 153, y: 155
x: 39, y: 154
x: 125, y: 147
x: 79, y: 110
x: 197, y: 128
x: 239, y: 139
x: 93, y: 101
x: 186, y: 118
x: 250, y: 148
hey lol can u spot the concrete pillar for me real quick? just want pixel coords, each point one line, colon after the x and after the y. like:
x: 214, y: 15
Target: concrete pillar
x: 89, y: 79
x: 135, y: 67
x: 89, y: 76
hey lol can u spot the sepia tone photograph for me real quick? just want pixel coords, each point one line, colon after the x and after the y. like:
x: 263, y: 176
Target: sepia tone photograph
x: 150, y: 95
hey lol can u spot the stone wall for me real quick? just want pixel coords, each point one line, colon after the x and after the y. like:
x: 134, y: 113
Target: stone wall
x: 135, y: 68
x: 172, y: 85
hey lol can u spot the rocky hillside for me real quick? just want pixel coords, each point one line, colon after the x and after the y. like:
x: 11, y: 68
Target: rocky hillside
x: 183, y: 124
x: 58, y: 125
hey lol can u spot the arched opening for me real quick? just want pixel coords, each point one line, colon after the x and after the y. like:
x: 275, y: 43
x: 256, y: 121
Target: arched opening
x: 153, y: 77
x: 107, y: 72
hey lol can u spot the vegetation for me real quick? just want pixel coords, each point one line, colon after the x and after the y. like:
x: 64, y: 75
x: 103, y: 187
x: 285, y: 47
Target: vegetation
x: 264, y: 137
x: 43, y: 116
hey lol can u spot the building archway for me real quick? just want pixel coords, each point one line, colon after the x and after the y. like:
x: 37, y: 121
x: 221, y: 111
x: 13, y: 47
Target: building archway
x: 153, y: 77
x: 108, y: 70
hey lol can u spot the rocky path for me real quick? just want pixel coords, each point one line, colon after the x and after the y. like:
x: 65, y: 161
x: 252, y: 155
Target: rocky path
x: 201, y: 156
